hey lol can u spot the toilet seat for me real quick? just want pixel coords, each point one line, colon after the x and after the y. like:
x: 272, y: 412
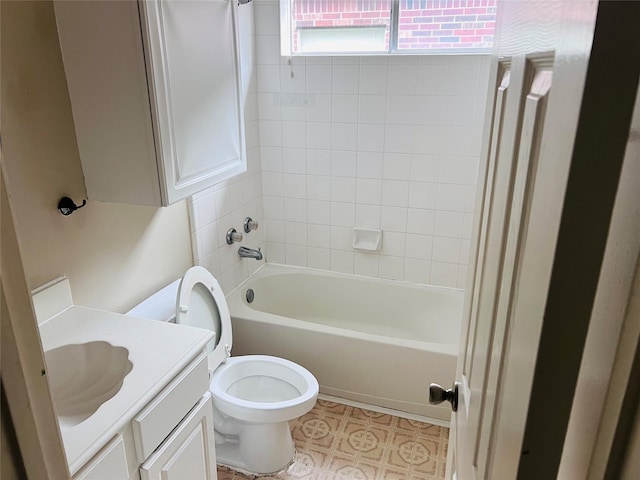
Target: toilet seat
x: 201, y: 303
x: 286, y: 390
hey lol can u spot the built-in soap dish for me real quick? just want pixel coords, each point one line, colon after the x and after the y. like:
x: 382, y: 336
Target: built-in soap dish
x: 367, y: 239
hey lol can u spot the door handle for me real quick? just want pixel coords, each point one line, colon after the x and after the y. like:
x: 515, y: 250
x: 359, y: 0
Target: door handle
x: 437, y: 395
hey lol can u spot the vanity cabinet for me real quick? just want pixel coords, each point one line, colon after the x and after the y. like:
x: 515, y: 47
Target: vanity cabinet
x: 171, y: 438
x: 155, y: 94
x: 186, y: 453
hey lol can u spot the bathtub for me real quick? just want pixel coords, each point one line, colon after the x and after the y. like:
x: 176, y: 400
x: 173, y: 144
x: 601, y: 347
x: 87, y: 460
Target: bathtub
x: 367, y: 340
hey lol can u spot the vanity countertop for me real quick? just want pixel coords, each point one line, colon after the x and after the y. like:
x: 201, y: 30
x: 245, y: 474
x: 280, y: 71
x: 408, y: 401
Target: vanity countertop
x: 157, y: 350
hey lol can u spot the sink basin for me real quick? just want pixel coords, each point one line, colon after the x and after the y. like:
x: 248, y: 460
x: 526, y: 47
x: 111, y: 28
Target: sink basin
x: 83, y: 377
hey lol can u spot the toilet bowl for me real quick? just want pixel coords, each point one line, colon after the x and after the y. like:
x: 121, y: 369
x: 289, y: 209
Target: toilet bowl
x: 254, y: 396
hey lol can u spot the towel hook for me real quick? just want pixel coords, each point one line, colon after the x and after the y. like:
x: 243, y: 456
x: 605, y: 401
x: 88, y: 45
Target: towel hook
x: 66, y: 206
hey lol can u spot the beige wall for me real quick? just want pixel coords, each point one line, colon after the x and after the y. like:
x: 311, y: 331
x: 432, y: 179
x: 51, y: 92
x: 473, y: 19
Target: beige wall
x: 113, y: 254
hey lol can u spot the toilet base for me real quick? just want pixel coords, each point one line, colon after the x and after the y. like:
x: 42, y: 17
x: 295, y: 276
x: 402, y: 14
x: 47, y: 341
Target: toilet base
x: 256, y: 448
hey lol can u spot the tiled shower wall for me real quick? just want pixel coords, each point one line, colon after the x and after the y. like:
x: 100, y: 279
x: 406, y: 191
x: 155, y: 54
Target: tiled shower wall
x: 225, y: 205
x: 372, y: 141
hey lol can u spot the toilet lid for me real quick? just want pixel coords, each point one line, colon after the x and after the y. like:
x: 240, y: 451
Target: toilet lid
x: 201, y: 303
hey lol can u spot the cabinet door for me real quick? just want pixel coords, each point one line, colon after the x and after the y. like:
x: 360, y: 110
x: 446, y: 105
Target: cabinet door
x: 189, y: 452
x: 194, y: 76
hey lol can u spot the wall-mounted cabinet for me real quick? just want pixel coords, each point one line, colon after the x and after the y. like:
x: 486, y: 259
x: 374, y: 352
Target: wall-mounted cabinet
x: 155, y: 94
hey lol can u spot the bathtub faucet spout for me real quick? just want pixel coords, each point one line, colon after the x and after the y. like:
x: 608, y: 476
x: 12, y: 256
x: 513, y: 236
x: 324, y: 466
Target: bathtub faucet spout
x: 250, y: 253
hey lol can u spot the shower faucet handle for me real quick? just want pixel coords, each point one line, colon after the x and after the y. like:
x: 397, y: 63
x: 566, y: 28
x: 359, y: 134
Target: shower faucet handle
x: 233, y: 236
x: 250, y: 224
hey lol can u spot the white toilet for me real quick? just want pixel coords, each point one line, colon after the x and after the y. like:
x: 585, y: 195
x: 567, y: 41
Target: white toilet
x: 254, y: 396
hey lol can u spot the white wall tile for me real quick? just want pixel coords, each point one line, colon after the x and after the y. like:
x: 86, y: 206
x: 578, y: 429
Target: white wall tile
x: 399, y: 138
x: 341, y: 261
x: 269, y: 78
x: 343, y: 214
x: 267, y: 110
x: 270, y: 133
x: 318, y: 187
x: 318, y: 135
x: 420, y: 221
x: 432, y: 79
x: 295, y: 209
x: 293, y: 134
x: 423, y: 195
x: 341, y: 238
x: 372, y: 108
x: 318, y: 162
x: 295, y: 233
x: 293, y: 113
x: 444, y: 274
x: 294, y: 186
x: 419, y: 246
x: 343, y: 163
x: 449, y: 224
x: 393, y: 219
x: 395, y: 193
x: 318, y: 78
x: 446, y: 250
x: 320, y: 111
x: 271, y: 159
x: 275, y: 252
x: 292, y: 78
x: 391, y: 268
x: 319, y: 212
x: 343, y: 189
x: 296, y: 255
x: 401, y: 109
x: 321, y: 168
x: 319, y: 236
x: 451, y: 197
x: 368, y: 216
x: 344, y: 136
x: 369, y: 191
x: 463, y: 79
x: 366, y: 264
x: 344, y: 108
x: 294, y: 160
x: 393, y: 244
x: 371, y: 137
x: 369, y: 165
x: 272, y: 184
x: 397, y: 166
x: 402, y: 79
x: 424, y: 168
x: 268, y: 50
x: 319, y: 258
x: 274, y: 230
x: 459, y: 170
x: 373, y: 79
x: 345, y: 79
x: 273, y: 207
x: 417, y: 271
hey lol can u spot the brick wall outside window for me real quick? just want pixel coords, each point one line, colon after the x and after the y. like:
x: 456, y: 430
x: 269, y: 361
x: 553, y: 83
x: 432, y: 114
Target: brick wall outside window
x: 423, y: 24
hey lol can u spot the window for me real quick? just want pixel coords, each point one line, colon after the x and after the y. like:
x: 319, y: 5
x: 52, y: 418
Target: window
x: 313, y: 27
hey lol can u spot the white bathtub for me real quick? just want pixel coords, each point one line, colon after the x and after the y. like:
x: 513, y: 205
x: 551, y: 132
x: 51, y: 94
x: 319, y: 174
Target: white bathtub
x: 368, y: 340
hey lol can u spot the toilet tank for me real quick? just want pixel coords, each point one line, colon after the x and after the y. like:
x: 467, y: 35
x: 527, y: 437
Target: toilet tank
x: 159, y: 306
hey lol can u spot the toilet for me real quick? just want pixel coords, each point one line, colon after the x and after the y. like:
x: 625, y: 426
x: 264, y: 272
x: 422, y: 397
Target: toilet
x: 254, y: 396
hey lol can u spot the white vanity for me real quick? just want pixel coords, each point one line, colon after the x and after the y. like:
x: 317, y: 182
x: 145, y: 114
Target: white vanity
x: 132, y: 395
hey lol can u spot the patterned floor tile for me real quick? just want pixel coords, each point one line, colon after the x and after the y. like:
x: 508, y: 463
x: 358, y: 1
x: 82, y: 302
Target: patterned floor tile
x: 340, y: 442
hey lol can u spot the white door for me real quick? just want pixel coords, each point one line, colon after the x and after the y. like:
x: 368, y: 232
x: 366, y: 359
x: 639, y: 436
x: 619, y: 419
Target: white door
x: 536, y: 99
x: 189, y: 452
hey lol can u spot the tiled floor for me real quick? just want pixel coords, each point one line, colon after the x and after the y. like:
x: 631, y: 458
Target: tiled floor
x: 339, y: 442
